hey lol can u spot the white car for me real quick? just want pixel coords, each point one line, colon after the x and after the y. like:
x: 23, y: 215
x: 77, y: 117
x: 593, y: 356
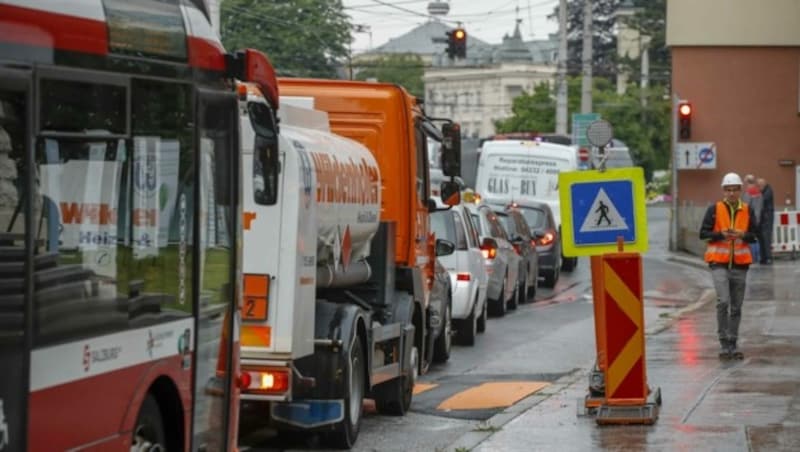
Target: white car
x: 468, y: 275
x: 500, y: 259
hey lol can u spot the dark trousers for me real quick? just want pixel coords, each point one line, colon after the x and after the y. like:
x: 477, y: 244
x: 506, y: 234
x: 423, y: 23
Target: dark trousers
x: 765, y: 240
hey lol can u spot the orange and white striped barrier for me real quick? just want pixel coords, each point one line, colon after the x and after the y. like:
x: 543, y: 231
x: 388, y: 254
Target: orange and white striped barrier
x: 786, y: 233
x: 628, y: 398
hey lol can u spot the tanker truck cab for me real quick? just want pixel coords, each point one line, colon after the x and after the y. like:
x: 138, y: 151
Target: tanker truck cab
x: 324, y: 325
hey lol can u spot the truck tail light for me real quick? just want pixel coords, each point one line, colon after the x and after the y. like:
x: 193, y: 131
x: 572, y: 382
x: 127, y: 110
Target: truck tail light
x: 265, y: 381
x: 463, y: 277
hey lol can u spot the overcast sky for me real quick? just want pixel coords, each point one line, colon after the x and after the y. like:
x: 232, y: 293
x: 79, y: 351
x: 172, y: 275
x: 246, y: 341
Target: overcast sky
x: 487, y: 20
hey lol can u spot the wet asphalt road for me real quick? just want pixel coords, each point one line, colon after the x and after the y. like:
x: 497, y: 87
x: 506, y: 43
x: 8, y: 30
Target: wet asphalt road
x: 539, y: 342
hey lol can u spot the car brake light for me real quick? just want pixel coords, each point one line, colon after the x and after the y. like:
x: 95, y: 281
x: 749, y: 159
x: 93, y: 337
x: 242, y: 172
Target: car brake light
x: 462, y: 277
x: 489, y: 253
x: 547, y: 239
x: 518, y: 249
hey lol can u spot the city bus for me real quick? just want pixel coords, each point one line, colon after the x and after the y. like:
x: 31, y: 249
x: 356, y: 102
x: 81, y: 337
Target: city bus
x: 119, y: 220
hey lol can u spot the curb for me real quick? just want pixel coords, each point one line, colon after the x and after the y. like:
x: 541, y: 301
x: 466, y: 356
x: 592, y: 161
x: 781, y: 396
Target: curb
x: 483, y: 430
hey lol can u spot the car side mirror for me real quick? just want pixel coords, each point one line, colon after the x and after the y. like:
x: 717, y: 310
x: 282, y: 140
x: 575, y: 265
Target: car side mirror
x: 451, y: 149
x: 444, y: 247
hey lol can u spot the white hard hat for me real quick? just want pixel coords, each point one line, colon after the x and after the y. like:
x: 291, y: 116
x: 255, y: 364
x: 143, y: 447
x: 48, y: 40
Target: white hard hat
x: 731, y: 179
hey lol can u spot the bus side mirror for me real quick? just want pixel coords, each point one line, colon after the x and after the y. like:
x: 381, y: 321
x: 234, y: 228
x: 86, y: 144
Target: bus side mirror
x: 451, y: 149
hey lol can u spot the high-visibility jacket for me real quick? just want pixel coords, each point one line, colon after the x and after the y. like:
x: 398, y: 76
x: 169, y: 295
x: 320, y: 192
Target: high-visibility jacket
x: 730, y: 251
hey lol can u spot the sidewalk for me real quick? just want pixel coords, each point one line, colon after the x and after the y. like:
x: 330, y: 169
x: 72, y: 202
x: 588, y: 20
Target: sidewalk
x: 753, y: 404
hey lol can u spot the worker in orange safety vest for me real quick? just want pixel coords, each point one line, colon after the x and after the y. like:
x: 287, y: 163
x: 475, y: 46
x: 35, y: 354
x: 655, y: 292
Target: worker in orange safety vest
x: 729, y: 226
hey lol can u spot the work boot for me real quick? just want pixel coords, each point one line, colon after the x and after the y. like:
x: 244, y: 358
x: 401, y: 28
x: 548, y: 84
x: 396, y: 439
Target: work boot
x: 724, y: 350
x: 734, y: 351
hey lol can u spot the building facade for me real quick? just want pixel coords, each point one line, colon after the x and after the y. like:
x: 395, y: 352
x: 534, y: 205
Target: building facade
x: 738, y: 63
x: 481, y: 90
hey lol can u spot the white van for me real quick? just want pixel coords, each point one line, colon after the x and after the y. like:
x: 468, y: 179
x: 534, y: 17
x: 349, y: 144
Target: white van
x: 516, y: 170
x: 519, y: 170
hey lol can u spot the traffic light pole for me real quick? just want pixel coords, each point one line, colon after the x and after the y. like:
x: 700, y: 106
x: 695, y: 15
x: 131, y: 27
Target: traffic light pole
x: 673, y: 242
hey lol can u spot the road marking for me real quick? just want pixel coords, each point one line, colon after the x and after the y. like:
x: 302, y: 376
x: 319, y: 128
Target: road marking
x: 496, y: 394
x: 419, y: 388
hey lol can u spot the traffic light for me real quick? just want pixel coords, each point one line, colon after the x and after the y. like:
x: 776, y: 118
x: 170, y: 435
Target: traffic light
x: 684, y: 120
x: 457, y: 43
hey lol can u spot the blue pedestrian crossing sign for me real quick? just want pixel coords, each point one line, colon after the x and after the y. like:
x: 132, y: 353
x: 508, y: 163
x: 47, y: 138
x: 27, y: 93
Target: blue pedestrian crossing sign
x: 600, y: 207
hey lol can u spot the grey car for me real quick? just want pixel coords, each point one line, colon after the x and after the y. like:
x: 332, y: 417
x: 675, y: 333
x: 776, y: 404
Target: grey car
x: 548, y: 239
x: 523, y: 240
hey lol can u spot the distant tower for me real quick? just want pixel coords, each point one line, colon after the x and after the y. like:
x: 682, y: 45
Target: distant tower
x: 438, y: 8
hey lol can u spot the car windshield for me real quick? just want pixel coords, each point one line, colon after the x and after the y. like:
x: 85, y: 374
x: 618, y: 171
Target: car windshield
x: 443, y: 226
x: 536, y: 218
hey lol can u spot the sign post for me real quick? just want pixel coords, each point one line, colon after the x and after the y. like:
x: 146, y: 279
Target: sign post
x: 605, y: 214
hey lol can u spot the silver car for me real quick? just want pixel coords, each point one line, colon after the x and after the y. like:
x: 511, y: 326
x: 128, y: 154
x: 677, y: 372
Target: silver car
x: 500, y: 259
x: 468, y: 277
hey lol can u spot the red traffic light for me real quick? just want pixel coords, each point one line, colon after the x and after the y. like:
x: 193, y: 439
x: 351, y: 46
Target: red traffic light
x: 685, y: 109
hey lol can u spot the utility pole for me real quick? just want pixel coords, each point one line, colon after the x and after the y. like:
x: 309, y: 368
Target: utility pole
x: 586, y: 85
x: 561, y: 68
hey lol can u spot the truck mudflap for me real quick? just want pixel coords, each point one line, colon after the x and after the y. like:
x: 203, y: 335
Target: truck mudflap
x: 308, y: 414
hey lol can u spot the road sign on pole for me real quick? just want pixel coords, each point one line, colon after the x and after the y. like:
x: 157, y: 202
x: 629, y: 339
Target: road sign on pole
x: 599, y: 207
x: 695, y: 155
x: 581, y: 122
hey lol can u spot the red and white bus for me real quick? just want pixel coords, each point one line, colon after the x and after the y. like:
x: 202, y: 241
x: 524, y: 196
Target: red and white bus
x: 119, y: 220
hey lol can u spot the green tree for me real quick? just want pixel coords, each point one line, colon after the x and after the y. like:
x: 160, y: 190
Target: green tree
x: 651, y: 21
x: 301, y: 37
x: 531, y: 112
x: 644, y: 128
x: 604, y: 40
x: 404, y: 69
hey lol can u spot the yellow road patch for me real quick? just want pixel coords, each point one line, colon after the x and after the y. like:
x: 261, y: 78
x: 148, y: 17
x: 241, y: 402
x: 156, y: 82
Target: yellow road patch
x: 419, y: 388
x: 495, y: 394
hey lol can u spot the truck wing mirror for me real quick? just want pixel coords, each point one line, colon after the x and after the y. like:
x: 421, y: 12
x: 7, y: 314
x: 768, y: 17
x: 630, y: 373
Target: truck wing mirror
x: 451, y: 149
x: 450, y: 193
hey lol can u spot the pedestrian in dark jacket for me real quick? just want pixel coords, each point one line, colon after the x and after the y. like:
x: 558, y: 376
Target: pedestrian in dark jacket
x: 766, y: 220
x: 729, y: 227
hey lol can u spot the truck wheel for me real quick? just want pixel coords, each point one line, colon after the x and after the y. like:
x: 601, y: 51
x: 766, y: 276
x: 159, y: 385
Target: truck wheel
x: 482, y: 319
x: 468, y: 328
x: 394, y: 397
x: 444, y: 343
x: 346, y: 433
x: 148, y: 434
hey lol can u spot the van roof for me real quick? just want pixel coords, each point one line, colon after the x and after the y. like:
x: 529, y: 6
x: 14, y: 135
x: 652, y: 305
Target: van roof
x: 529, y: 147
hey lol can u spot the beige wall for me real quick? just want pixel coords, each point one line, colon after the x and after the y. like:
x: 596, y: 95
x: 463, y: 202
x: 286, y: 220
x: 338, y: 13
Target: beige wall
x: 745, y: 100
x: 733, y: 22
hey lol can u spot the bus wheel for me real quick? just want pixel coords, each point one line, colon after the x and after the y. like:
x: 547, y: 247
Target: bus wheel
x: 148, y: 434
x: 346, y: 433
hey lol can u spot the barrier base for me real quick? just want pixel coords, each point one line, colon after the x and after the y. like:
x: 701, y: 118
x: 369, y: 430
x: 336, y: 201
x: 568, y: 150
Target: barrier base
x: 631, y: 414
